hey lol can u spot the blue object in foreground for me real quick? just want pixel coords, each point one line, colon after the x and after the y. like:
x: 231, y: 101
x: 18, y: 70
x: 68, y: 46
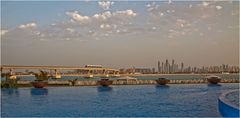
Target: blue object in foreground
x: 228, y: 106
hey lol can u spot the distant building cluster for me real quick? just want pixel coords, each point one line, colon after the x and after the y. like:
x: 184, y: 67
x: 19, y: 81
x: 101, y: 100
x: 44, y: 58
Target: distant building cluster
x: 168, y: 67
x: 137, y: 71
x: 171, y: 68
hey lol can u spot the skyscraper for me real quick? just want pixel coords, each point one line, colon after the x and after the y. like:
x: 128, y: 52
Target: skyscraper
x: 159, y: 67
x: 162, y: 70
x: 173, y: 67
x: 167, y: 66
x: 182, y: 67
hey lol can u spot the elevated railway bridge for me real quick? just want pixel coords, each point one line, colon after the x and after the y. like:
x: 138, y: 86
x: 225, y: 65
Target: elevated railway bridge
x: 55, y: 71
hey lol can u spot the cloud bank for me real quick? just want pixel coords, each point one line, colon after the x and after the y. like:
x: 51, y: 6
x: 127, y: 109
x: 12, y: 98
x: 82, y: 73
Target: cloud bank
x: 28, y: 25
x: 169, y: 19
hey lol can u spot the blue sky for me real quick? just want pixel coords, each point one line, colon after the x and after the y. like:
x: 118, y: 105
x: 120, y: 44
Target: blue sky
x: 119, y: 33
x: 42, y: 12
x: 47, y: 12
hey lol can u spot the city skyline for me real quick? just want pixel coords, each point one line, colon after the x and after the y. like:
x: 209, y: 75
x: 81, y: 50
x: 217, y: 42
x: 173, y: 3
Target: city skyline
x: 119, y: 34
x: 175, y: 67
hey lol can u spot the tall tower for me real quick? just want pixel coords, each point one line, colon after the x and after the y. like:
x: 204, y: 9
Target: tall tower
x: 173, y: 67
x: 159, y: 67
x: 167, y: 66
x: 162, y: 70
x: 182, y: 67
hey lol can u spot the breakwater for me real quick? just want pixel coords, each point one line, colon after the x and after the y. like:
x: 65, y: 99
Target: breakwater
x: 121, y: 82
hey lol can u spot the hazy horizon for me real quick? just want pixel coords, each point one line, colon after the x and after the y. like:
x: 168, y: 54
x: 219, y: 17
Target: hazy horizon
x: 119, y: 34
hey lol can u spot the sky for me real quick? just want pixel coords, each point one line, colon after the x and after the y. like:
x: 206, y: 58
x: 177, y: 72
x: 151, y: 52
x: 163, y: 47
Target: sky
x: 119, y: 34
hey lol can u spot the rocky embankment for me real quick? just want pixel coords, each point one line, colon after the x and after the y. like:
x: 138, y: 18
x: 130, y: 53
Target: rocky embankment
x: 121, y: 82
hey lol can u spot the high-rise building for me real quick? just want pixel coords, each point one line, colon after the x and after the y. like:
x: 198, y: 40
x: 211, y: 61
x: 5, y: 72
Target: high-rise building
x: 173, y: 67
x: 162, y: 70
x: 182, y: 67
x: 167, y: 67
x: 226, y: 68
x: 177, y: 70
x: 153, y: 70
x: 159, y: 67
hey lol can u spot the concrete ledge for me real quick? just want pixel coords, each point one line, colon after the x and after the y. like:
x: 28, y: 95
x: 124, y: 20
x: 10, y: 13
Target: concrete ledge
x: 122, y: 82
x: 226, y: 107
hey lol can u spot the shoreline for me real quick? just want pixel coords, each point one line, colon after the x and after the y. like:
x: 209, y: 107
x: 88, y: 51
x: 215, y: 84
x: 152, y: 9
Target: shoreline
x: 204, y: 74
x: 134, y: 75
x: 67, y: 83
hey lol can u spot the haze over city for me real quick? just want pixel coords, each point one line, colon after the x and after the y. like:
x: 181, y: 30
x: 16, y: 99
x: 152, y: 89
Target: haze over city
x: 119, y: 33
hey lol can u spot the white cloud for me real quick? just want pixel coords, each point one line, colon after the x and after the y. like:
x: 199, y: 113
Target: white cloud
x: 103, y: 16
x: 218, y: 7
x: 102, y: 26
x: 118, y: 31
x: 190, y: 6
x: 169, y: 1
x: 152, y: 7
x: 106, y: 34
x: 154, y: 28
x: 70, y: 30
x: 67, y: 38
x: 37, y: 32
x: 3, y: 32
x: 53, y: 24
x: 170, y: 11
x: 181, y: 20
x: 98, y: 24
x: 105, y: 4
x: 205, y: 4
x: 148, y: 5
x: 77, y: 17
x: 161, y: 14
x: 29, y: 25
x: 128, y: 12
x: 106, y: 26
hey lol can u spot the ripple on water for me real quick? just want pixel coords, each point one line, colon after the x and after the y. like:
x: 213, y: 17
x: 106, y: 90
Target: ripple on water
x: 234, y: 97
x: 186, y: 100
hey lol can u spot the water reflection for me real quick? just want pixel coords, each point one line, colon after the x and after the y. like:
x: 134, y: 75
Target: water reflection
x: 162, y: 86
x: 104, y: 88
x: 39, y: 91
x: 214, y: 85
x: 10, y: 91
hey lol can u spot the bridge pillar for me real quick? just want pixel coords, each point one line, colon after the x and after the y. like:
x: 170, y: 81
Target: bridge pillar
x: 90, y: 72
x: 11, y: 71
x: 56, y: 75
x: 11, y: 75
x: 55, y: 71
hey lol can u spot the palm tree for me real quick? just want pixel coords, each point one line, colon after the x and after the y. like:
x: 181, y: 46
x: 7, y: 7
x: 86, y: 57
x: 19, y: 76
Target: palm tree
x: 10, y: 82
x: 42, y: 75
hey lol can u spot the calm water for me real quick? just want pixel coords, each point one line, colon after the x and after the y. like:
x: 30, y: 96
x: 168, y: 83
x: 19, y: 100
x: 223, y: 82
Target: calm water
x: 233, y: 97
x: 135, y: 100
